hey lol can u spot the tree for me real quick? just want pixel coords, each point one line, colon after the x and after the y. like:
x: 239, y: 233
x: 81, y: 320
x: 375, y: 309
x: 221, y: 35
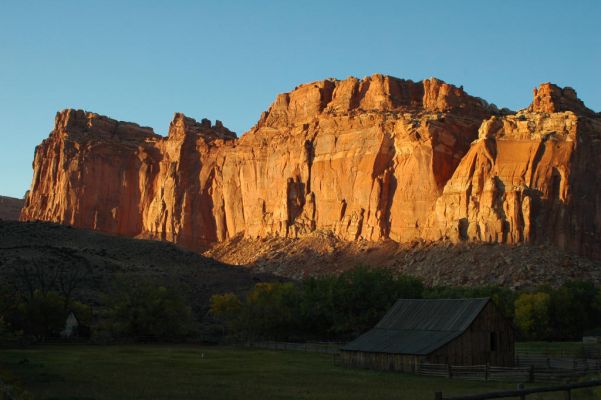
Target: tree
x: 270, y: 310
x: 363, y: 295
x: 44, y: 314
x: 227, y: 309
x: 532, y: 315
x: 149, y: 312
x: 318, y: 308
x: 503, y: 298
x: 575, y: 307
x: 65, y: 275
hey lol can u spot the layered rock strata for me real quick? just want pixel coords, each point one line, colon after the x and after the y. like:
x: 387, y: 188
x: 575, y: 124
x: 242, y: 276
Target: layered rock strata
x: 377, y: 158
x: 530, y: 177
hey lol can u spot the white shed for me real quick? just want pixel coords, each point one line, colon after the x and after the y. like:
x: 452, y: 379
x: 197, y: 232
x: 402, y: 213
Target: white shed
x: 71, y: 326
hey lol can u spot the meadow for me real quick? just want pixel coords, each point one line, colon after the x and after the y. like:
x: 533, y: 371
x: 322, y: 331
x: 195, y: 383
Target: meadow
x: 78, y: 372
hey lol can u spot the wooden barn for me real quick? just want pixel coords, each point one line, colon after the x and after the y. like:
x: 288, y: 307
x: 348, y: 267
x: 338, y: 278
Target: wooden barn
x: 436, y: 331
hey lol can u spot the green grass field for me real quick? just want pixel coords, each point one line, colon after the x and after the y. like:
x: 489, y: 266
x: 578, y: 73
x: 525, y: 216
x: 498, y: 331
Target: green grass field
x: 196, y: 372
x: 558, y: 349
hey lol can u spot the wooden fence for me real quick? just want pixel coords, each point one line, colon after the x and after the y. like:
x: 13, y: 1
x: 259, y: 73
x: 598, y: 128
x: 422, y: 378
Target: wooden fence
x: 503, y: 374
x: 521, y: 393
x: 312, y: 347
x: 581, y: 350
x: 529, y: 370
x: 545, y: 361
x: 530, y: 367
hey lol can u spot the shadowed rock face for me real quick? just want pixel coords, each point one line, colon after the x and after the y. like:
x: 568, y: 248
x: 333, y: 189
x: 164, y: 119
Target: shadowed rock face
x: 10, y: 208
x: 366, y: 159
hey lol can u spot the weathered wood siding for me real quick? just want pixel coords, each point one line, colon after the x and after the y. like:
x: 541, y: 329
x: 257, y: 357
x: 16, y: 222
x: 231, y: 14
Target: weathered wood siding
x: 475, y: 347
x: 381, y: 361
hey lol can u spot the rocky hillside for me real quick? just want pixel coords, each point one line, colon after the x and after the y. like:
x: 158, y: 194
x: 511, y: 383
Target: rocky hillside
x: 518, y: 266
x: 10, y: 208
x: 106, y: 259
x: 373, y: 159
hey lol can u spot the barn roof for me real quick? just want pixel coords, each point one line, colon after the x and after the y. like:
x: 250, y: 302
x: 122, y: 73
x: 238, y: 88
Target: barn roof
x: 419, y: 326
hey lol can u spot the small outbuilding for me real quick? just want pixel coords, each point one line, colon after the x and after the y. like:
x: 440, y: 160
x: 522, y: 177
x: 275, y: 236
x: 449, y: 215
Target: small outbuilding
x: 71, y: 326
x: 436, y: 331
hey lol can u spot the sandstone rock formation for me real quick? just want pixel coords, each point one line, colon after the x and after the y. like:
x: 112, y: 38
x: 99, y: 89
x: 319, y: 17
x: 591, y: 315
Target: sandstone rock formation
x: 368, y: 159
x: 530, y: 177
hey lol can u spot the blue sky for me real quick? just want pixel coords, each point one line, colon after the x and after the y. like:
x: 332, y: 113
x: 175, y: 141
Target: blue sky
x: 141, y: 61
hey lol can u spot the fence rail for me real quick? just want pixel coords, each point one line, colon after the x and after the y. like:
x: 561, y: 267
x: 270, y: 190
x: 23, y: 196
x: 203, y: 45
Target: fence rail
x: 580, y: 350
x: 312, y: 347
x: 502, y: 374
x: 522, y: 393
x: 545, y: 361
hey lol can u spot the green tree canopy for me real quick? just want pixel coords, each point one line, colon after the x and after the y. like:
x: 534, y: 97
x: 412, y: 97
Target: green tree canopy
x: 149, y: 312
x: 532, y: 315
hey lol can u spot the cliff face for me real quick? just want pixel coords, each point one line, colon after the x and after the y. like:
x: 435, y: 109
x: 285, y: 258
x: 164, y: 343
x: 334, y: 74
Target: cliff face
x: 366, y: 159
x: 98, y: 173
x: 90, y: 173
x: 530, y: 177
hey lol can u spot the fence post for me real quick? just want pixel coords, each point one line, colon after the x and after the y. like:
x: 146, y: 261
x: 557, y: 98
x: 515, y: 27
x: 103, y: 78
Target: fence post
x: 486, y: 372
x: 450, y: 371
x: 568, y: 394
x: 531, y: 374
x: 520, y: 387
x: 437, y: 395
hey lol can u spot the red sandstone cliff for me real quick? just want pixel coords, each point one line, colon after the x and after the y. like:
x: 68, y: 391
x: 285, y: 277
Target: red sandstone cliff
x: 374, y: 158
x: 530, y: 177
